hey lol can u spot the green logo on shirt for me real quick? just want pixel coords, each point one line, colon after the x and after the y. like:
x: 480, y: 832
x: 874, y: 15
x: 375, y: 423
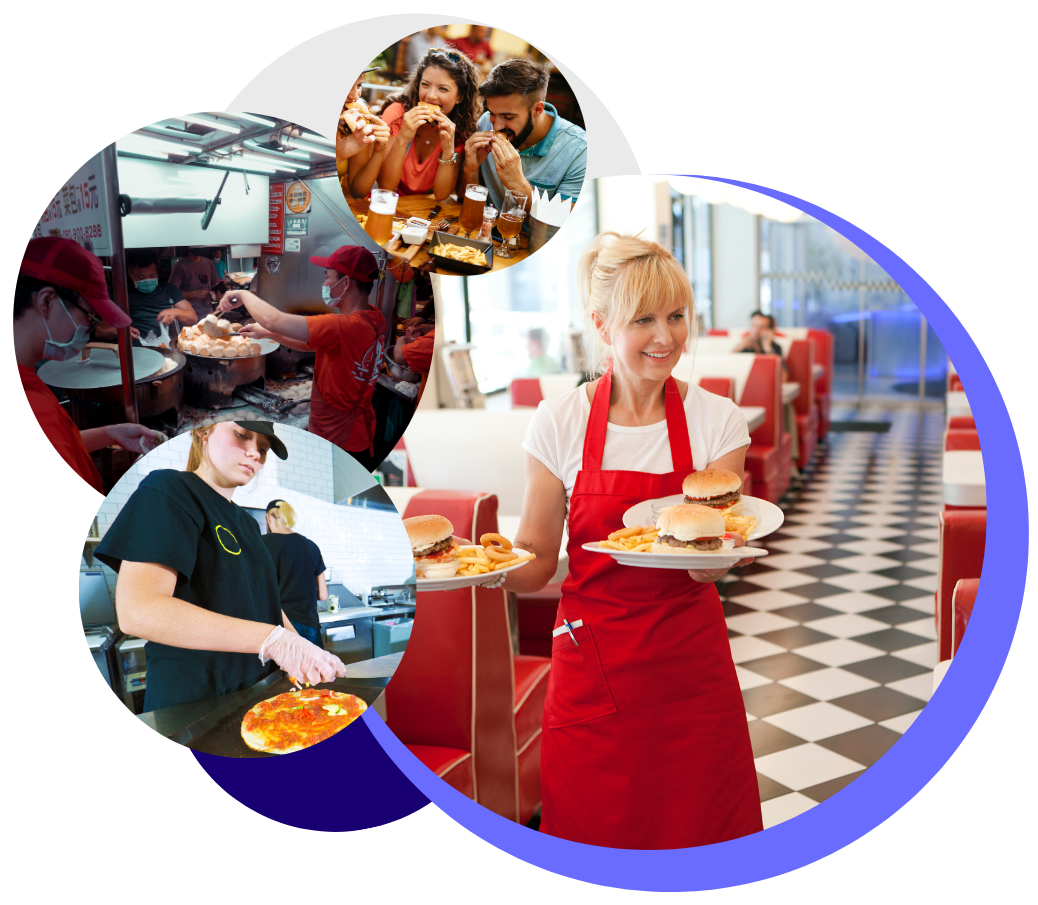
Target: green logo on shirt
x: 232, y: 537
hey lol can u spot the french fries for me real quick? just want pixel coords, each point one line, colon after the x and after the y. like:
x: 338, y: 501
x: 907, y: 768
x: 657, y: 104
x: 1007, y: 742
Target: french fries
x: 474, y: 560
x: 464, y: 253
x: 744, y: 525
x: 636, y: 539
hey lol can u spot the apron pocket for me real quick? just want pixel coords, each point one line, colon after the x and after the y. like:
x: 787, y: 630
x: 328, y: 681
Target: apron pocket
x: 578, y: 690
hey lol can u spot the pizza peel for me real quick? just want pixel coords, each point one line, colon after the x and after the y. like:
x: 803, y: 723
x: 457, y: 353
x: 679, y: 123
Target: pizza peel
x: 217, y: 730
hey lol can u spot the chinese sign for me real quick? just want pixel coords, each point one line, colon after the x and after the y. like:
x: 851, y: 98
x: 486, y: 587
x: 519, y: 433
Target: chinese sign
x: 78, y: 211
x: 276, y: 230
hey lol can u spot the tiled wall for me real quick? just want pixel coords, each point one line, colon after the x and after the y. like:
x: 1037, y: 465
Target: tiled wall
x: 364, y: 548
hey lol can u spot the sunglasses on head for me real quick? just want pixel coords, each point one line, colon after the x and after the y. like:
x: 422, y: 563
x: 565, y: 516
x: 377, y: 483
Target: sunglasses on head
x: 451, y: 55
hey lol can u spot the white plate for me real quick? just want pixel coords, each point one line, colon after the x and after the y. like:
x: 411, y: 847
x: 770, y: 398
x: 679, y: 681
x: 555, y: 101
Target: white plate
x: 466, y: 581
x: 724, y: 558
x: 768, y: 514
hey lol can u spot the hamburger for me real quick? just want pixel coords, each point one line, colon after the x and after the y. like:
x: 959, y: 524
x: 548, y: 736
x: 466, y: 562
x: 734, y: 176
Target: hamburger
x: 688, y: 528
x: 354, y: 115
x: 717, y: 488
x: 432, y: 541
x: 425, y: 105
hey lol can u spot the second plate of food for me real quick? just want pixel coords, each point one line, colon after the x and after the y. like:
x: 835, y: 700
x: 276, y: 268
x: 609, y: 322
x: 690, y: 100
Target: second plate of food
x: 455, y: 582
x: 724, y: 558
x: 768, y: 515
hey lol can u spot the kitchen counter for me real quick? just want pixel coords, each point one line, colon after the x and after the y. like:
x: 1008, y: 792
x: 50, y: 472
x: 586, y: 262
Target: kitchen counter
x: 348, y: 614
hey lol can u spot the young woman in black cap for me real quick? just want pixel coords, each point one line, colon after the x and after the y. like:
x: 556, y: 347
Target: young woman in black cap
x: 300, y: 570
x: 195, y: 580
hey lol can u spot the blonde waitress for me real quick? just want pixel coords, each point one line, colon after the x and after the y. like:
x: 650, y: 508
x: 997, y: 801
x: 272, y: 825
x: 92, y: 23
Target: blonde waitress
x: 645, y: 742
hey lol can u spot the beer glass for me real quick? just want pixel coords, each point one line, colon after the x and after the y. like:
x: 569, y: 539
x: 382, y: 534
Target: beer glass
x: 510, y: 222
x: 380, y: 215
x: 472, y: 207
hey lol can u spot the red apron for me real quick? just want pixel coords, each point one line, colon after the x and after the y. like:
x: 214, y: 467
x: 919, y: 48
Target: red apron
x: 333, y: 423
x: 645, y: 742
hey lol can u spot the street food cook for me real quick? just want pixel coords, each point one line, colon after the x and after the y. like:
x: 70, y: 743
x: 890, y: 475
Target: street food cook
x: 298, y: 719
x: 60, y: 296
x: 195, y: 580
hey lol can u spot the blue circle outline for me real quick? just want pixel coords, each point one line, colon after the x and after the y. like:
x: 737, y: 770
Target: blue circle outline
x: 912, y: 761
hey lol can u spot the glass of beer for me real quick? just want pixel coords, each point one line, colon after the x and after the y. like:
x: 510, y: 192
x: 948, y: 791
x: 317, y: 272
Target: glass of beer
x: 380, y: 215
x: 510, y: 222
x: 472, y: 207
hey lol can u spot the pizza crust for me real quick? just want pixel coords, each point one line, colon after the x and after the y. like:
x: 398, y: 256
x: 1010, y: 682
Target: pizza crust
x: 257, y: 740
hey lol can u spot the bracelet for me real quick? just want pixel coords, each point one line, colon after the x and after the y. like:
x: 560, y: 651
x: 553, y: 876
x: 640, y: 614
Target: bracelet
x: 454, y: 159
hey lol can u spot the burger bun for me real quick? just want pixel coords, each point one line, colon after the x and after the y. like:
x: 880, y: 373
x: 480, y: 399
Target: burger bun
x: 425, y: 530
x: 689, y: 521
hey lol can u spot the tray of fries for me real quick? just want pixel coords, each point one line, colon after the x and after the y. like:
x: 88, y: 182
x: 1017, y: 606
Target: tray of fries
x: 475, y: 569
x: 632, y: 546
x: 469, y: 256
x: 758, y: 519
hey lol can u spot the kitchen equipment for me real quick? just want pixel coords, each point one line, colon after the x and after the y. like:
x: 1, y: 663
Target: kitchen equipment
x: 392, y: 595
x: 98, y: 617
x: 285, y: 362
x: 391, y: 636
x: 95, y: 391
x: 211, y: 382
x: 399, y: 371
x: 133, y: 671
x: 540, y: 233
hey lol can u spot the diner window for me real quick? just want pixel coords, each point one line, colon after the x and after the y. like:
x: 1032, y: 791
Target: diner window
x: 811, y: 276
x: 516, y: 319
x: 690, y: 222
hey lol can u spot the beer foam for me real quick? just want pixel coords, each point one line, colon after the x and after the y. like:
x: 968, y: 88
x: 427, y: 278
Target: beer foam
x: 382, y: 207
x: 474, y: 194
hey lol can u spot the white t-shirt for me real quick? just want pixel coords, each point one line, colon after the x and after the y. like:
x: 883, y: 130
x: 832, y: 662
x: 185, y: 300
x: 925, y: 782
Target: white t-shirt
x: 555, y: 436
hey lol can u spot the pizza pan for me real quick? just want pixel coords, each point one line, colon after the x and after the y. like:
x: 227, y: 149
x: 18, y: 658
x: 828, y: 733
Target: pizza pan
x: 101, y: 369
x: 219, y: 732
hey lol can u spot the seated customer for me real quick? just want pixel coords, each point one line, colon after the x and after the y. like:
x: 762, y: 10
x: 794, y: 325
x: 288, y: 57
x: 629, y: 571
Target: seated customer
x: 521, y: 142
x: 152, y: 304
x: 423, y: 154
x: 195, y: 277
x: 761, y: 339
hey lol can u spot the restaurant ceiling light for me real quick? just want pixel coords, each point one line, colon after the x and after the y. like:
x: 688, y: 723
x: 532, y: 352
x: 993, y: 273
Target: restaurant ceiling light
x: 210, y: 123
x: 274, y: 161
x: 240, y: 163
x: 310, y: 146
x: 138, y: 143
x: 120, y: 147
x: 299, y: 155
x: 319, y: 140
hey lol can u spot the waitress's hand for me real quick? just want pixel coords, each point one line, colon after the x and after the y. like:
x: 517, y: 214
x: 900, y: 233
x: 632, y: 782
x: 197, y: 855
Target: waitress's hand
x: 708, y: 576
x: 302, y: 660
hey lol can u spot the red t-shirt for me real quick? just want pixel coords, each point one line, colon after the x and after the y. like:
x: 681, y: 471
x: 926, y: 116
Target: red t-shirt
x: 349, y: 357
x: 59, y: 428
x: 415, y: 178
x: 475, y: 52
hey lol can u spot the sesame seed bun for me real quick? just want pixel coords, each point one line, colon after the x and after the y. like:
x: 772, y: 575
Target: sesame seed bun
x: 714, y: 482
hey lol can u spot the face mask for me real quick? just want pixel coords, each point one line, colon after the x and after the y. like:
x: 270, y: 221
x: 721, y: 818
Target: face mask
x: 146, y: 286
x: 55, y: 351
x: 326, y: 294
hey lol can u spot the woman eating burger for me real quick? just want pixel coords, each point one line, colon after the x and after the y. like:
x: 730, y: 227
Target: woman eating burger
x: 642, y: 683
x: 430, y: 121
x: 195, y: 580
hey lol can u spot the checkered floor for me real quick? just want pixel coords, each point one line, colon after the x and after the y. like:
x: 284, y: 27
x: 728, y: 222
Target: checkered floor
x: 833, y: 632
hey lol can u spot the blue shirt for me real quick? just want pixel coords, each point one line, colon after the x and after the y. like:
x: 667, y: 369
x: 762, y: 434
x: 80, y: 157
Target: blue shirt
x: 555, y: 164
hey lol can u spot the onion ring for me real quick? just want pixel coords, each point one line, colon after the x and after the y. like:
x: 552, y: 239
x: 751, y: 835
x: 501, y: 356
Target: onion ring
x: 489, y: 539
x: 499, y: 556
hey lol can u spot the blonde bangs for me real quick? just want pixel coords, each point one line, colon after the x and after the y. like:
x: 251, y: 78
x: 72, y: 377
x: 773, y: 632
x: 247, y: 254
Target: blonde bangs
x: 646, y: 285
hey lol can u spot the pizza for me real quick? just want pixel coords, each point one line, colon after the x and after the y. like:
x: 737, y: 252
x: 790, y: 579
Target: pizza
x: 299, y: 719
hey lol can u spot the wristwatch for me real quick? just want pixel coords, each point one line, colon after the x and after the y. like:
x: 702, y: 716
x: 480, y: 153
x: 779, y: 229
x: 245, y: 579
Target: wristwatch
x: 454, y: 158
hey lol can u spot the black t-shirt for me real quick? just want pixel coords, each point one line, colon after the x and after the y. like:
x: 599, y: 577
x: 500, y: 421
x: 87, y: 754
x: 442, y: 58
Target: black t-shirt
x: 298, y: 562
x: 174, y: 518
x: 144, y: 308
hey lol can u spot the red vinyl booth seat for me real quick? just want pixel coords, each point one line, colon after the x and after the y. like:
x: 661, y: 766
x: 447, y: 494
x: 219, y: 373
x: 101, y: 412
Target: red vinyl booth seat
x: 963, y: 598
x: 486, y: 699
x: 719, y: 386
x: 961, y: 439
x: 801, y: 363
x: 823, y: 386
x: 526, y: 392
x: 962, y: 556
x: 536, y: 616
x: 764, y: 458
x: 961, y: 423
x: 954, y: 384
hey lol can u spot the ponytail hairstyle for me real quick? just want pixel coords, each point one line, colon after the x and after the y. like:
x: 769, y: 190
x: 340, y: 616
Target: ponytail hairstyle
x: 283, y: 511
x: 197, y: 452
x: 622, y: 278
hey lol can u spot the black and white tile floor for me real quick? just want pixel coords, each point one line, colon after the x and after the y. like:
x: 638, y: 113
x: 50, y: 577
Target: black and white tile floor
x: 833, y: 632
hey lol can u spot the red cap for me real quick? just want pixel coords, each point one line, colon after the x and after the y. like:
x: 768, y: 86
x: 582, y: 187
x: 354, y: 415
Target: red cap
x: 67, y: 264
x: 351, y: 261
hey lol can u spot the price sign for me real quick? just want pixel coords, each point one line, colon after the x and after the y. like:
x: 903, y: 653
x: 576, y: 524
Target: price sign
x: 78, y: 211
x: 276, y: 228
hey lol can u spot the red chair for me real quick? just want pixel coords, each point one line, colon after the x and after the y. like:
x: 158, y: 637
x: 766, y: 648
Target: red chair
x: 801, y: 363
x: 961, y: 439
x: 719, y: 386
x: 409, y: 480
x: 963, y: 598
x: 483, y: 734
x: 526, y: 392
x: 961, y: 423
x: 961, y: 556
x: 767, y: 460
x: 954, y: 384
x: 717, y: 333
x: 824, y: 384
x: 536, y: 616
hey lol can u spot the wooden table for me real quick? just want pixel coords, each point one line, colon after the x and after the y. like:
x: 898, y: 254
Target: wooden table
x: 964, y: 478
x: 419, y: 206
